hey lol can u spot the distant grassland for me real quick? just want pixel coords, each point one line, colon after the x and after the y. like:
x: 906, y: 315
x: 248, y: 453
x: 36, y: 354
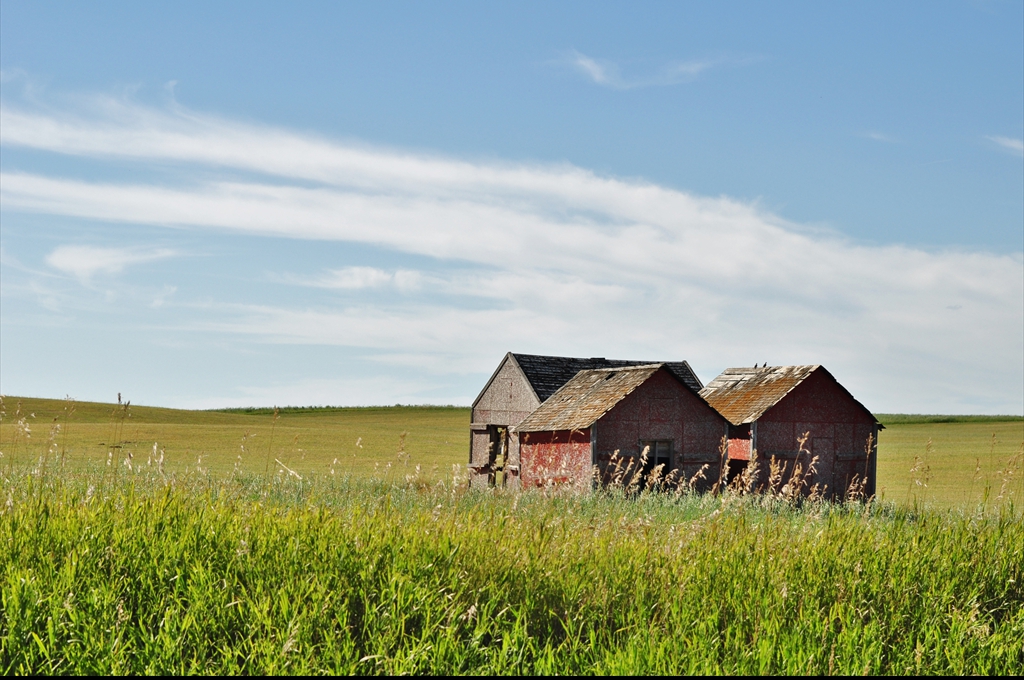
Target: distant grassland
x: 939, y: 460
x: 354, y: 441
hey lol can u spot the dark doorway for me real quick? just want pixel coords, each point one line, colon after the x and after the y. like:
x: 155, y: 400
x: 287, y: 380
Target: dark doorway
x: 736, y: 468
x: 498, y: 455
x: 659, y: 452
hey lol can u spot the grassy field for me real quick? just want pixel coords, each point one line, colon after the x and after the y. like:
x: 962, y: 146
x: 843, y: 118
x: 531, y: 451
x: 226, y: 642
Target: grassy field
x: 352, y: 441
x: 363, y: 552
x: 939, y: 460
x: 947, y: 464
x: 327, y: 575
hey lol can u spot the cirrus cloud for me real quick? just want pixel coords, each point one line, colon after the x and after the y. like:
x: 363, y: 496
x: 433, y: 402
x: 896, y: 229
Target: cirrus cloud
x: 1010, y: 144
x: 534, y: 257
x: 609, y: 74
x: 84, y: 262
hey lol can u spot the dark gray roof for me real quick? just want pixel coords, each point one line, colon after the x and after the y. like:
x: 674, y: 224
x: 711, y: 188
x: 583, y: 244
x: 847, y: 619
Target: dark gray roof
x: 548, y: 374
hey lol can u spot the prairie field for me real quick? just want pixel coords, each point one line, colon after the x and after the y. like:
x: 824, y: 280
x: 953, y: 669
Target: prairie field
x: 346, y: 541
x: 934, y: 460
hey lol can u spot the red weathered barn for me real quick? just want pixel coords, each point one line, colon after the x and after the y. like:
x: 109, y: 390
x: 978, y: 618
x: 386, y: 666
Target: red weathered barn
x: 520, y: 384
x: 770, y: 409
x: 622, y: 410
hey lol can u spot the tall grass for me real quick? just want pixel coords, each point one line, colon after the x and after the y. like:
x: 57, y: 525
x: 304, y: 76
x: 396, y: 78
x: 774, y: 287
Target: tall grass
x: 148, y: 573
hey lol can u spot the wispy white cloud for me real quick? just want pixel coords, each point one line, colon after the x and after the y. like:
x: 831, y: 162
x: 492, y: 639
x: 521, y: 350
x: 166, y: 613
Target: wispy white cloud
x: 601, y: 73
x: 609, y: 74
x: 1010, y: 144
x: 84, y: 262
x: 358, y: 278
x: 557, y: 258
x: 879, y: 137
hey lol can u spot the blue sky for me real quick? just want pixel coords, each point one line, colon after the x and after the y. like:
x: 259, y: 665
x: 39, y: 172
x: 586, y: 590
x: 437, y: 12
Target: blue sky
x: 370, y: 203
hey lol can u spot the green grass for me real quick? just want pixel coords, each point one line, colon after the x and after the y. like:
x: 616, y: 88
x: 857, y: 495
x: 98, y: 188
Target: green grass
x: 890, y: 419
x: 371, y: 558
x: 125, y: 572
x: 951, y: 464
x: 956, y: 470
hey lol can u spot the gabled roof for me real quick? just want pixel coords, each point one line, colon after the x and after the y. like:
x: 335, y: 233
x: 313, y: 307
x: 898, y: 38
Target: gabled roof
x: 547, y: 374
x: 586, y: 397
x: 743, y: 395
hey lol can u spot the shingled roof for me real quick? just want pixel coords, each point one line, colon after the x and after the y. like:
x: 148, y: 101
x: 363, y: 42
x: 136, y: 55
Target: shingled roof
x: 581, y: 401
x: 743, y: 395
x: 547, y: 374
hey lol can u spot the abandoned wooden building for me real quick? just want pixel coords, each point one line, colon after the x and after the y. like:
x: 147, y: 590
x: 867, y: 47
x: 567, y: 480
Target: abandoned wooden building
x: 631, y: 411
x: 520, y: 384
x: 771, y: 408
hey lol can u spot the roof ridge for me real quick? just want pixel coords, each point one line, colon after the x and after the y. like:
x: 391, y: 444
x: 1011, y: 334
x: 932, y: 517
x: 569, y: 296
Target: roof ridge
x: 622, y: 368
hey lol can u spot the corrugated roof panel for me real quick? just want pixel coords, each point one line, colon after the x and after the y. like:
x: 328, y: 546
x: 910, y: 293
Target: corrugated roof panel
x: 585, y: 398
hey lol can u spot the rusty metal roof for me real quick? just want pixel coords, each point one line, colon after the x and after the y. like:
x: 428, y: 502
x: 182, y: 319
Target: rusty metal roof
x: 743, y: 395
x: 579, y: 403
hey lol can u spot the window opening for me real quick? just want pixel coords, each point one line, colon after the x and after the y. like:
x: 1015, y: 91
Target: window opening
x: 659, y: 452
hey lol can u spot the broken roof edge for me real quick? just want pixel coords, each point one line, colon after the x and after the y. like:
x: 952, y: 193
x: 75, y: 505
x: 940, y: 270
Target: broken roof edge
x: 814, y: 368
x: 692, y: 372
x: 501, y: 364
x: 538, y: 369
x: 757, y: 413
x: 569, y: 385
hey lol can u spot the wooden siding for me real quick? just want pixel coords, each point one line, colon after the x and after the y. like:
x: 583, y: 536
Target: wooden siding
x: 507, y: 400
x: 556, y: 459
x: 838, y: 430
x: 662, y: 409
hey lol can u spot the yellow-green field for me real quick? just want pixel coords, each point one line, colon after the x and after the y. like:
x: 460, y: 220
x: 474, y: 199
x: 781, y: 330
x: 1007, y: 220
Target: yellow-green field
x: 952, y: 463
x: 938, y: 463
x: 351, y: 441
x: 183, y: 566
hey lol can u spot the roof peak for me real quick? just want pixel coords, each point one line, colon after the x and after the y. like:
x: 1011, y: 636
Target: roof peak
x: 587, y: 396
x: 744, y: 369
x: 743, y: 395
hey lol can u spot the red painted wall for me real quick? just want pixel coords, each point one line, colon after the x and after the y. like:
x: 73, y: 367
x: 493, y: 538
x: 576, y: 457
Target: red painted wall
x: 663, y: 409
x: 555, y: 458
x: 739, y: 442
x: 838, y: 433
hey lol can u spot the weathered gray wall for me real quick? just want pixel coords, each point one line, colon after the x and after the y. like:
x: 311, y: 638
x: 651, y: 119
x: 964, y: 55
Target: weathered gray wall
x: 506, y: 402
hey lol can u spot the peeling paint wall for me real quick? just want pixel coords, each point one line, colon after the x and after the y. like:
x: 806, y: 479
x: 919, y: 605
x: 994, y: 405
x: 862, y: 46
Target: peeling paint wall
x: 556, y: 459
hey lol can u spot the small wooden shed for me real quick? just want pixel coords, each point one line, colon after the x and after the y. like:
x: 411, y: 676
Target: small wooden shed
x: 520, y: 384
x: 622, y: 410
x: 771, y: 408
